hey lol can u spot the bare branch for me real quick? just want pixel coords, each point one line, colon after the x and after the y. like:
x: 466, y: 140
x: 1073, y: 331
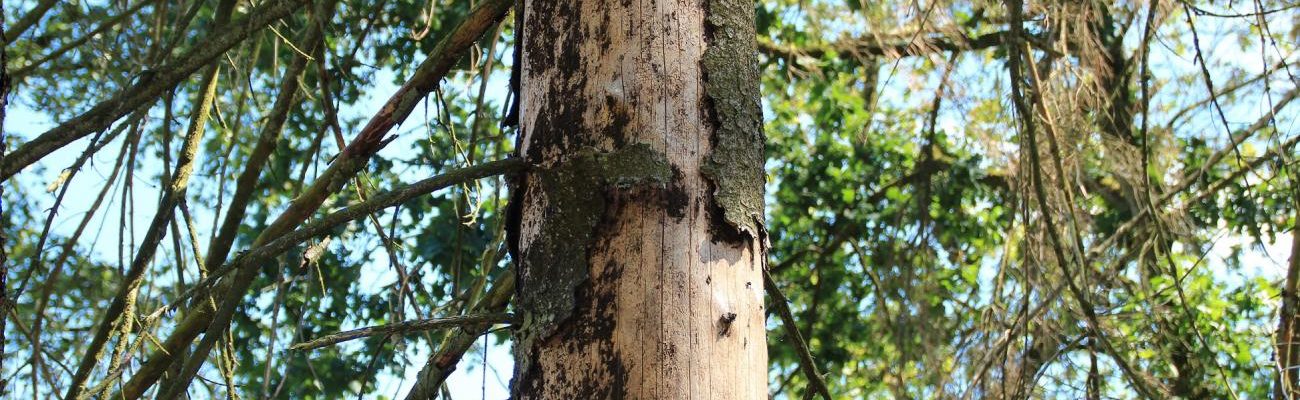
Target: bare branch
x: 1214, y: 159
x: 806, y: 362
x: 147, y: 88
x: 404, y: 327
x: 28, y: 20
x: 200, y: 317
x: 442, y: 362
x: 894, y: 47
x: 27, y: 69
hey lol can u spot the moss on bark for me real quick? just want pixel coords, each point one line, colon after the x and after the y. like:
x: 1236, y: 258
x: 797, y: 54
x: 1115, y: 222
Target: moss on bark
x: 556, y: 263
x: 731, y: 79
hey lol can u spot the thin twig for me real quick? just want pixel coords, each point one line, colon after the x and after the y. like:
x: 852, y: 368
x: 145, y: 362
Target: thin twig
x: 23, y: 71
x: 442, y: 362
x: 147, y: 88
x: 282, y: 243
x: 806, y: 363
x: 403, y: 328
x: 1025, y: 113
x: 345, y: 167
x: 28, y: 20
x: 1095, y: 250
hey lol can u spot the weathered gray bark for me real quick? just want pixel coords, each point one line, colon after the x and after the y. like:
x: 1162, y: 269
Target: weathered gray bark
x: 638, y: 235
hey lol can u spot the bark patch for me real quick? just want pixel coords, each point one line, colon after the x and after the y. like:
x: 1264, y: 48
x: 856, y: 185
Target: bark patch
x: 731, y: 79
x: 555, y: 264
x: 676, y: 200
x: 558, y: 48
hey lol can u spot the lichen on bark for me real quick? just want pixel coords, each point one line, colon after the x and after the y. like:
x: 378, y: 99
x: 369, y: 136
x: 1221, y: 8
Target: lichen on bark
x: 731, y: 84
x: 556, y: 262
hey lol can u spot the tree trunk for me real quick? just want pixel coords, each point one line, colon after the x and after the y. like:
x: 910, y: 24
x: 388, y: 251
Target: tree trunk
x: 1287, y: 341
x: 638, y: 234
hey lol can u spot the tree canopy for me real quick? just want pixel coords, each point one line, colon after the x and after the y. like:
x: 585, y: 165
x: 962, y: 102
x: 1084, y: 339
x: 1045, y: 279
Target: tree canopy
x: 965, y: 199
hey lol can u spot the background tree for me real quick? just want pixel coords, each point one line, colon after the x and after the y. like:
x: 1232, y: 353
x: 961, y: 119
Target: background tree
x: 1016, y: 199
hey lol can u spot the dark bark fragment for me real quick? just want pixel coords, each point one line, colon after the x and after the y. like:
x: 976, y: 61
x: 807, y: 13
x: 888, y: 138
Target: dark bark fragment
x: 553, y: 271
x: 735, y: 166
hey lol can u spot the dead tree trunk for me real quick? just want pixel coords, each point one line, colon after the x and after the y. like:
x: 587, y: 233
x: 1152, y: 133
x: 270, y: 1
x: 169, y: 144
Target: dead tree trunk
x: 638, y: 235
x: 1287, y: 342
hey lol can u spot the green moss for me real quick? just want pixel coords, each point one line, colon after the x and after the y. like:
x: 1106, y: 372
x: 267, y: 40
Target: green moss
x: 735, y: 166
x: 633, y: 165
x: 557, y: 261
